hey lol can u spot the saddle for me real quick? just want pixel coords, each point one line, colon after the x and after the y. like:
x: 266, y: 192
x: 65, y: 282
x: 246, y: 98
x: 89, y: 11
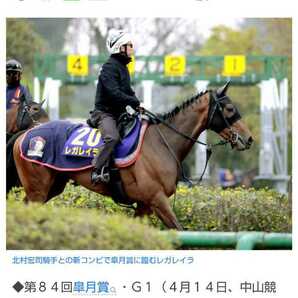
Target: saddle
x: 125, y: 124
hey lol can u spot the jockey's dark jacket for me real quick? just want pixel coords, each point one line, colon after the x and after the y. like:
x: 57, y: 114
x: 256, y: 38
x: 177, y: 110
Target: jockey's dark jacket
x: 113, y: 92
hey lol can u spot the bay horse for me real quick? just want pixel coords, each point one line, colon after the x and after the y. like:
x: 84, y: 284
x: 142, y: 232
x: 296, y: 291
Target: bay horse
x: 19, y: 118
x: 153, y: 178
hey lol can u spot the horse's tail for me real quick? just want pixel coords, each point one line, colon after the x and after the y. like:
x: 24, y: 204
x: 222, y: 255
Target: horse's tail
x: 12, y: 177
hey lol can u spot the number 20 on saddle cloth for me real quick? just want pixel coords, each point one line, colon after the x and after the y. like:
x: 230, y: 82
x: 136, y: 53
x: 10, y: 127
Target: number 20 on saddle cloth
x: 65, y: 146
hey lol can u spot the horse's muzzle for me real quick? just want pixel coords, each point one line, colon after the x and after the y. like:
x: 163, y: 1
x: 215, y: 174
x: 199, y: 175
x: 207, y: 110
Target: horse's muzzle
x: 241, y: 143
x: 249, y: 142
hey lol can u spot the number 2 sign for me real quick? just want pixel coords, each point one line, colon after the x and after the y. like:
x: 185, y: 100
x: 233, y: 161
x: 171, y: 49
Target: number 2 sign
x: 174, y: 65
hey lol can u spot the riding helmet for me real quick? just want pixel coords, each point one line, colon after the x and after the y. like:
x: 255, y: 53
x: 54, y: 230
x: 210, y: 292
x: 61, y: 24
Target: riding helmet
x: 14, y: 65
x: 116, y: 39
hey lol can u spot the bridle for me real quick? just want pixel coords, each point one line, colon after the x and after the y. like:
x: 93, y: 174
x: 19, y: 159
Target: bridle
x: 214, y: 106
x: 26, y: 110
x: 215, y: 103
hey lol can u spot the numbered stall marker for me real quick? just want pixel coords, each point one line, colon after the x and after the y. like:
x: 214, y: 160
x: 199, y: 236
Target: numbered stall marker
x: 131, y: 65
x: 77, y: 65
x: 174, y: 65
x: 234, y: 65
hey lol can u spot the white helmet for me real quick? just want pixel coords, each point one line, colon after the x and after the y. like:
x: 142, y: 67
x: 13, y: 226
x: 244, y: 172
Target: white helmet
x: 116, y: 39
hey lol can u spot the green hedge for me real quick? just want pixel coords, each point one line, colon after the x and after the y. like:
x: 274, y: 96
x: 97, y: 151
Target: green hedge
x: 46, y: 227
x: 77, y: 197
x: 199, y: 208
x: 214, y: 209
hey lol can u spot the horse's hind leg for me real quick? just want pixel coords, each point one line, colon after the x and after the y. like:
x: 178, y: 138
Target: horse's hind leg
x: 38, y: 183
x: 56, y: 188
x: 37, y: 180
x: 162, y: 208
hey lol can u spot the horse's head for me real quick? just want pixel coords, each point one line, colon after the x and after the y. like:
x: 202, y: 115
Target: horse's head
x: 225, y: 119
x: 25, y: 115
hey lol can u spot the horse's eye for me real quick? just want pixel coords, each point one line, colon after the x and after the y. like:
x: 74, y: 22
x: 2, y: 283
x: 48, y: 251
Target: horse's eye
x: 230, y: 108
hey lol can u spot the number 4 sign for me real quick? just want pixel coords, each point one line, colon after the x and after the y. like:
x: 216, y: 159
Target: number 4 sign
x: 77, y: 65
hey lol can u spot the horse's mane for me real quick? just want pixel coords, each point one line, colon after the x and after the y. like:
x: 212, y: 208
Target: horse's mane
x: 181, y: 107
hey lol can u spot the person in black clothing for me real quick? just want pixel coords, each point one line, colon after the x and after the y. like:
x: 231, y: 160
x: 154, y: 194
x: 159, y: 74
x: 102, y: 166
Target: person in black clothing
x: 113, y: 94
x: 15, y: 91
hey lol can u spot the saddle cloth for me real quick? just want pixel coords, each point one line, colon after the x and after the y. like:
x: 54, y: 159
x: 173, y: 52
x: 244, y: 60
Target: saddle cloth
x: 66, y: 146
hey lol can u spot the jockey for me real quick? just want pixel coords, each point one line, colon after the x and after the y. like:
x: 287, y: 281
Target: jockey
x: 113, y: 94
x: 14, y: 90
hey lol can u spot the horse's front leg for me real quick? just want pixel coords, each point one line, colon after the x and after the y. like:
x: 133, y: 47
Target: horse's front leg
x: 161, y: 206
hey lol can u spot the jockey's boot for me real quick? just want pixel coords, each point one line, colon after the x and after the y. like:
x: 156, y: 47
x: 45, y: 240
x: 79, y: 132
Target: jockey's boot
x: 101, y: 163
x: 101, y: 175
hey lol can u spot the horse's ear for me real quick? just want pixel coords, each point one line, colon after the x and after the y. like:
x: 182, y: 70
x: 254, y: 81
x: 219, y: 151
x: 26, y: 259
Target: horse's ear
x: 42, y: 102
x: 220, y: 92
x: 23, y: 98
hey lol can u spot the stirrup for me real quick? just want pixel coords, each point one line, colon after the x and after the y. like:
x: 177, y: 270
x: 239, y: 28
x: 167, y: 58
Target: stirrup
x: 103, y: 176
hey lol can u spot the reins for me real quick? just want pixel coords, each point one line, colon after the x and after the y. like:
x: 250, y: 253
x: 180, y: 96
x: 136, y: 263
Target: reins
x: 214, y: 107
x: 160, y: 120
x: 157, y: 119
